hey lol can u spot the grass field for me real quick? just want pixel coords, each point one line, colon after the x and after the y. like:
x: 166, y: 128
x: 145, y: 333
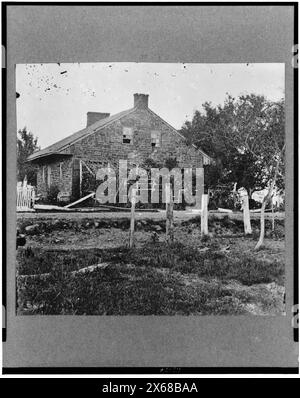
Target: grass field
x: 85, y: 267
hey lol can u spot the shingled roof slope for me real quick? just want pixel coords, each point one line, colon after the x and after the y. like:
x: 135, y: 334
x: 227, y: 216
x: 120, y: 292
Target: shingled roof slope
x: 61, y: 144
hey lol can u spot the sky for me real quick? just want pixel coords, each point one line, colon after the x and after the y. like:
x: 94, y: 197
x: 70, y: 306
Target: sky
x: 55, y: 98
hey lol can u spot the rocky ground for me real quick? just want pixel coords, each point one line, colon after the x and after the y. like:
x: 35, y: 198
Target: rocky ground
x: 83, y: 266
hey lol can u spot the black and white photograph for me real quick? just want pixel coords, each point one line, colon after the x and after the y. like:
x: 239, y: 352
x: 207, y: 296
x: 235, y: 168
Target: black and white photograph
x: 150, y: 189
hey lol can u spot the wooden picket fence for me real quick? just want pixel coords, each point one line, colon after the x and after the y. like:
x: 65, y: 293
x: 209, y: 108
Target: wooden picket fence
x: 25, y: 197
x: 169, y: 215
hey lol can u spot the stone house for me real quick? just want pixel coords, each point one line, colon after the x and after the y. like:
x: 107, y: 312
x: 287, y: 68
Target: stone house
x: 134, y: 135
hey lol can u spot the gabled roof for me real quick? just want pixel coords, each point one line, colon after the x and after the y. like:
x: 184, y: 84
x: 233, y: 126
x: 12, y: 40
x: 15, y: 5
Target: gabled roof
x: 58, y: 146
x: 71, y: 139
x: 206, y: 159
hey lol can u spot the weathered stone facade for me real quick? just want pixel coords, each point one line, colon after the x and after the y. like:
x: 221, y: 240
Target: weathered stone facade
x: 106, y: 145
x: 60, y: 176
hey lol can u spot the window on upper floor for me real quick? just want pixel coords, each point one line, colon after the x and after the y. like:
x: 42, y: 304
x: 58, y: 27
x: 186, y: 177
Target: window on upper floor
x: 127, y: 135
x: 155, y: 139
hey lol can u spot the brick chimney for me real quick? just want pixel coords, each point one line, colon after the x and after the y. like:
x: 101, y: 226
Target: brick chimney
x: 93, y: 117
x: 141, y: 101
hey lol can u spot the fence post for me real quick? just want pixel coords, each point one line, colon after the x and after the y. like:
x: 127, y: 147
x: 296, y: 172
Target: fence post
x: 273, y: 215
x: 246, y: 215
x: 204, y: 215
x: 169, y: 213
x: 131, y: 232
x: 32, y: 198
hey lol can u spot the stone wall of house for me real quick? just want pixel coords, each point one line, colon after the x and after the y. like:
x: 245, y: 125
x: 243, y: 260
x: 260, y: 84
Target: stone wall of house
x: 107, y: 144
x: 62, y: 179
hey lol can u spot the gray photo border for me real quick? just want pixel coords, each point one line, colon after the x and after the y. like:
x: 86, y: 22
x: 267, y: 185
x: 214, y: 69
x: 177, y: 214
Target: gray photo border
x: 166, y: 33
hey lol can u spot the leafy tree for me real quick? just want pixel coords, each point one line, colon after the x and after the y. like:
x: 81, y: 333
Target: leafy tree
x: 149, y: 163
x: 245, y: 136
x: 26, y: 145
x: 171, y: 163
x: 265, y: 140
x: 215, y: 130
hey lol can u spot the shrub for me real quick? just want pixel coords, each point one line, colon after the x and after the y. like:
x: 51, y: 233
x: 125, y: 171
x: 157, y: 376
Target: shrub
x: 52, y: 193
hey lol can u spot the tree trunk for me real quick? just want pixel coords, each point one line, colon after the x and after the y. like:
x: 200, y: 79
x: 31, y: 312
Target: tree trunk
x: 262, y: 214
x: 273, y: 215
x: 262, y: 225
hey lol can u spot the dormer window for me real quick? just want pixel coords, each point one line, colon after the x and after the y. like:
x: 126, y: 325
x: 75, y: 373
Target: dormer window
x: 155, y: 139
x: 127, y: 135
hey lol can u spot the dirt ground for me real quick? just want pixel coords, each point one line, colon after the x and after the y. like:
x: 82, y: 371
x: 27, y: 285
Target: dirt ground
x: 238, y: 297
